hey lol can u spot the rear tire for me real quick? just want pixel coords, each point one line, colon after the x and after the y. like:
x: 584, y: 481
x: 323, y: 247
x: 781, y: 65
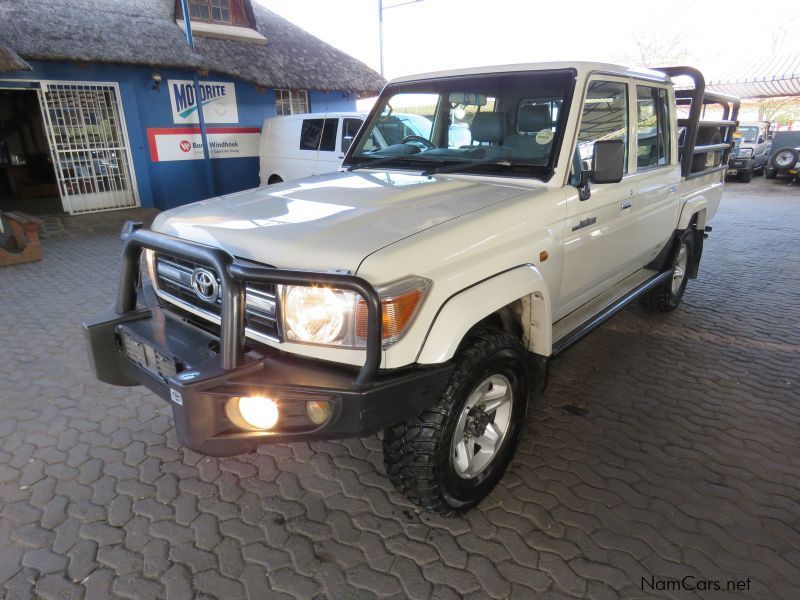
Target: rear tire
x: 274, y: 179
x: 784, y: 158
x: 451, y: 455
x: 770, y: 173
x: 668, y: 295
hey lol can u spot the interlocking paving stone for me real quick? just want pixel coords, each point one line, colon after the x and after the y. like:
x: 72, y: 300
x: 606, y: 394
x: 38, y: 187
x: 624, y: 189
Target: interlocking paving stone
x: 664, y: 446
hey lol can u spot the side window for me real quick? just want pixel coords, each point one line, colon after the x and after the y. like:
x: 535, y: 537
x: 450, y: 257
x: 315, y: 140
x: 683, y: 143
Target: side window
x: 319, y: 134
x: 652, y: 131
x: 604, y: 117
x: 329, y: 129
x: 350, y: 127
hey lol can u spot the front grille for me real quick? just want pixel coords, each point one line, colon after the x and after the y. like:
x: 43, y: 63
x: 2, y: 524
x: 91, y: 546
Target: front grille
x: 174, y: 283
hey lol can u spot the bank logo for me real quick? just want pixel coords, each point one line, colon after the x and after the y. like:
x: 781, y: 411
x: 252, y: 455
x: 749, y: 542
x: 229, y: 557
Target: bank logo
x: 185, y: 145
x: 217, y: 98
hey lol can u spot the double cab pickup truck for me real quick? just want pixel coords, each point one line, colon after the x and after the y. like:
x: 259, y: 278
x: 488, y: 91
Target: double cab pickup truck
x: 422, y: 290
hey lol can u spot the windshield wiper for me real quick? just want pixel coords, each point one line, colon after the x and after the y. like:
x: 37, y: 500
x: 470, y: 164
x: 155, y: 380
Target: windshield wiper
x: 465, y: 165
x: 380, y: 161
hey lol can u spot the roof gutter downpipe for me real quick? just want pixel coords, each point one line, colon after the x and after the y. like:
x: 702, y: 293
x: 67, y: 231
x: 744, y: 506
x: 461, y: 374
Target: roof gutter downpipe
x: 212, y: 191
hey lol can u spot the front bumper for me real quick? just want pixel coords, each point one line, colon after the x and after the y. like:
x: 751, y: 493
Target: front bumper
x: 740, y: 164
x: 199, y: 389
x: 199, y: 369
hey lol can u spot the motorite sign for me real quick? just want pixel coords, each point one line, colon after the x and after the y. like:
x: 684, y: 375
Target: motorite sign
x: 218, y: 99
x: 186, y: 143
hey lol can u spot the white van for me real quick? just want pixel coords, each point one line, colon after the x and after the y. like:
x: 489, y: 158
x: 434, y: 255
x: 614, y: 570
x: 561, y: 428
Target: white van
x: 296, y: 146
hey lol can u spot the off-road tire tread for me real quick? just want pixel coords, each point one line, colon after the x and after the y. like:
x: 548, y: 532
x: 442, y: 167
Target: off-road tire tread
x: 659, y: 299
x: 410, y: 449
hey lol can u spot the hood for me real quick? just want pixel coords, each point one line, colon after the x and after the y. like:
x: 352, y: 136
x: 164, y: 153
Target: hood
x: 331, y: 221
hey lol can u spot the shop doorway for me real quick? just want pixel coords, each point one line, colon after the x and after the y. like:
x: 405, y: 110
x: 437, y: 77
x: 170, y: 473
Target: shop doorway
x: 89, y: 146
x: 27, y: 177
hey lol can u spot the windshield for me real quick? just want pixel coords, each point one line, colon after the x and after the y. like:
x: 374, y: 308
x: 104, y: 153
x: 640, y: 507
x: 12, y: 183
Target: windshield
x: 749, y: 134
x: 509, y: 124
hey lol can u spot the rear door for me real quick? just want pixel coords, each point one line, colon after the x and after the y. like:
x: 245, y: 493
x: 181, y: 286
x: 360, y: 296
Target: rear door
x: 597, y: 243
x: 350, y: 127
x: 654, y: 202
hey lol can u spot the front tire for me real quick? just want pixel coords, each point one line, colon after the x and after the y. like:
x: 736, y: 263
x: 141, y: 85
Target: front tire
x: 668, y: 295
x: 745, y: 177
x: 451, y: 455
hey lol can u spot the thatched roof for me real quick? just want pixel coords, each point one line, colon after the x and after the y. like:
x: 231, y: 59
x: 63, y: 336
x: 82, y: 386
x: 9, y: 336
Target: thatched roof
x: 10, y: 61
x: 145, y: 33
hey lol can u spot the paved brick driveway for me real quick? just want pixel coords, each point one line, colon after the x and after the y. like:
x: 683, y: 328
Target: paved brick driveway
x: 664, y: 447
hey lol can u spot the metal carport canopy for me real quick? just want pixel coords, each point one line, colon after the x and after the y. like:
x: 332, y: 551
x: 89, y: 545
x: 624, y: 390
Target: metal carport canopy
x: 768, y: 77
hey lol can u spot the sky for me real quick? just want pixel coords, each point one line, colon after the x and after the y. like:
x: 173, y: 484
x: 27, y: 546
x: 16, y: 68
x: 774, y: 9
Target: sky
x: 431, y: 35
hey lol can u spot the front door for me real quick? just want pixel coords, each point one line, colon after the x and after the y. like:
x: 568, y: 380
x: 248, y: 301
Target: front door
x: 597, y: 242
x: 89, y: 146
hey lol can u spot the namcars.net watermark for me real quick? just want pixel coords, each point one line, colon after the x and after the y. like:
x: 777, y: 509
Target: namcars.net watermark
x: 693, y: 584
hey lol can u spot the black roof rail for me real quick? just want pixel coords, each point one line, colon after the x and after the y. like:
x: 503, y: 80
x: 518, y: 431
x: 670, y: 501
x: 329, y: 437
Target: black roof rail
x: 697, y: 98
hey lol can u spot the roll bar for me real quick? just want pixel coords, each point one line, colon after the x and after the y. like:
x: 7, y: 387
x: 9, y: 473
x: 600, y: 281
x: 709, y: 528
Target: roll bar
x: 697, y: 98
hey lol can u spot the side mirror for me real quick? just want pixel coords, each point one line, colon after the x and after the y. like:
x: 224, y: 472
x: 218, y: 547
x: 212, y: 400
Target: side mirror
x: 608, y: 166
x: 346, y: 143
x: 609, y: 161
x: 760, y: 139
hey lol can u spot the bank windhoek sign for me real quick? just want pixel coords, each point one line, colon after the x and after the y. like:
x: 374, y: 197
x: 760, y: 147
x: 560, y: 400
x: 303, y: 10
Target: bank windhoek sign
x: 186, y: 143
x: 218, y: 99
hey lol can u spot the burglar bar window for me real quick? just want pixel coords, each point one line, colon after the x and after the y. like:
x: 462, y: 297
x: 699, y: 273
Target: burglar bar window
x: 291, y: 102
x: 218, y: 11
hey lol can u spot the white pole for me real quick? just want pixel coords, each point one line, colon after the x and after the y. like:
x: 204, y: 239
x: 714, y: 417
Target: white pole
x: 380, y: 31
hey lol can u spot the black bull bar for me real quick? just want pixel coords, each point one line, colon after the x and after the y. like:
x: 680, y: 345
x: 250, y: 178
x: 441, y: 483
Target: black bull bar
x: 233, y: 277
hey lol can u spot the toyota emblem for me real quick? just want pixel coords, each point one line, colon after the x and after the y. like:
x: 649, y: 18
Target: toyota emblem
x: 204, y: 284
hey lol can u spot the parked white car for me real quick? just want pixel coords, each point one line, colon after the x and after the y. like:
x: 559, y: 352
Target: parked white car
x: 422, y: 290
x: 302, y: 145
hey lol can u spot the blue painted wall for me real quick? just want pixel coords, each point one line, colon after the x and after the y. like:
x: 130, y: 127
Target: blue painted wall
x: 167, y: 184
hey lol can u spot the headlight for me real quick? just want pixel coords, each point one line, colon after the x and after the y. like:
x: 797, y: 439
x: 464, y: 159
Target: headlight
x: 745, y: 153
x: 334, y: 317
x: 317, y: 315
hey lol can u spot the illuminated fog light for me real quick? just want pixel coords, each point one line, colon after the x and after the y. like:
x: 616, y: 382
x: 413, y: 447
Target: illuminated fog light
x: 318, y: 411
x: 257, y: 412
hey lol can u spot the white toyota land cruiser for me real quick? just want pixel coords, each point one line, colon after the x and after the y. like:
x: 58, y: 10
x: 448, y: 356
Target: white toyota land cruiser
x: 421, y: 290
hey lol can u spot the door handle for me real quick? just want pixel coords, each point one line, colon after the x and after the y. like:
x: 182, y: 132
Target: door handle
x: 626, y: 204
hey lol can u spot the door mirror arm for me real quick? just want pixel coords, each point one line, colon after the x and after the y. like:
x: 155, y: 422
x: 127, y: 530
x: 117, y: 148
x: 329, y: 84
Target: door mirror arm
x: 584, y: 189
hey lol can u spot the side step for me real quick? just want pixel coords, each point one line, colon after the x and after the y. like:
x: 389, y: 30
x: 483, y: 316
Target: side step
x: 594, y: 313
